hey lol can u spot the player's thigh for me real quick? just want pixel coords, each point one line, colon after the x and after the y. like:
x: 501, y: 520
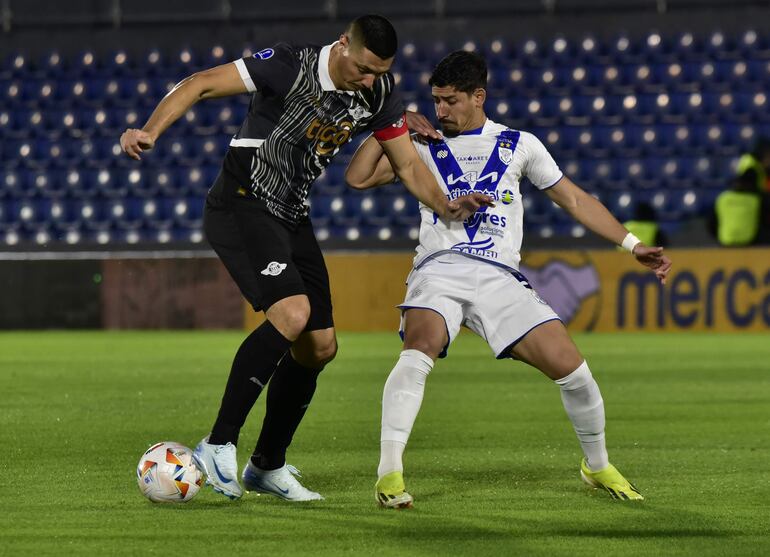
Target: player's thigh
x: 267, y: 253
x: 425, y: 330
x: 309, y: 261
x: 315, y: 349
x: 549, y: 348
x: 432, y: 312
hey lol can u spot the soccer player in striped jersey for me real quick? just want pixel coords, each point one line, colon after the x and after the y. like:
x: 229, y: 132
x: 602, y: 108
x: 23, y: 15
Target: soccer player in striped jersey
x: 307, y: 102
x: 466, y: 274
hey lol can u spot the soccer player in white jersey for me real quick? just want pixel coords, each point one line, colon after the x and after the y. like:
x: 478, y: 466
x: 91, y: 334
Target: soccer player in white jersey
x: 466, y: 273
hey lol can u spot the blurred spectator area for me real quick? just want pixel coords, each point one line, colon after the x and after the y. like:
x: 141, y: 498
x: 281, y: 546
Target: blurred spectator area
x: 658, y: 116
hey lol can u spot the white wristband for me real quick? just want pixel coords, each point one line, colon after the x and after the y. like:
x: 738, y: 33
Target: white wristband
x: 629, y: 242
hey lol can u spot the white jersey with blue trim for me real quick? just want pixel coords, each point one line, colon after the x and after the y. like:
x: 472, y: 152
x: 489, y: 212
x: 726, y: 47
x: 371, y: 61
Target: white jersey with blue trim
x: 490, y: 160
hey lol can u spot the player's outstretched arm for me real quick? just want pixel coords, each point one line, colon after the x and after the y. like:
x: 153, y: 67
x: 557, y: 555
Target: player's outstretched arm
x: 369, y: 166
x: 410, y: 169
x: 592, y: 214
x: 220, y: 81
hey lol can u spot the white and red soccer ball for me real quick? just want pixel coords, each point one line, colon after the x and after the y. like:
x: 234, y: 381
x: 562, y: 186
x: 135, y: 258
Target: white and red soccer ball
x: 167, y: 473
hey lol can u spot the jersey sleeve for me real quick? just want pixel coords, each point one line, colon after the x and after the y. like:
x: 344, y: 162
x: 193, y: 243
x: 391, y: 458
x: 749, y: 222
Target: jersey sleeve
x: 539, y: 165
x: 390, y: 120
x: 271, y: 70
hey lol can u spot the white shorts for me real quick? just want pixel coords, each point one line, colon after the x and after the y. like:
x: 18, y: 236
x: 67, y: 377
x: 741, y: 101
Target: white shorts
x: 497, y: 304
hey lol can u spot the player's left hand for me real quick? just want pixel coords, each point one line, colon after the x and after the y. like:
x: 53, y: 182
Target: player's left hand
x: 466, y: 205
x: 653, y: 258
x: 418, y: 123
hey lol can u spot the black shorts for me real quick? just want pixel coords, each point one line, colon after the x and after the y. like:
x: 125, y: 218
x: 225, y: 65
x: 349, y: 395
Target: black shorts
x: 268, y: 259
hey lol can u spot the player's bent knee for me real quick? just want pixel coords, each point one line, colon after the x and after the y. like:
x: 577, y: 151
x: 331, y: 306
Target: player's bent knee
x: 290, y: 317
x: 430, y: 347
x: 325, y: 353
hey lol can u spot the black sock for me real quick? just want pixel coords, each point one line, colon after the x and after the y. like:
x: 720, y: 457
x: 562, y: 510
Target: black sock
x: 253, y: 365
x: 291, y: 390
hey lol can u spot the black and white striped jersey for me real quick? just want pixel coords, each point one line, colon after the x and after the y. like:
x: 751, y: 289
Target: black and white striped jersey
x: 297, y: 122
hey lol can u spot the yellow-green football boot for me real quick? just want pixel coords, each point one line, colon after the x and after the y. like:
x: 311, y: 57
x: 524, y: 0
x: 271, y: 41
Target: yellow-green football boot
x: 611, y: 480
x: 390, y: 492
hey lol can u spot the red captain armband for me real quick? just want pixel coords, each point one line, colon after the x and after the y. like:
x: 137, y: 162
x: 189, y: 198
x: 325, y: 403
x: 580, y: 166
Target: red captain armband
x: 397, y: 128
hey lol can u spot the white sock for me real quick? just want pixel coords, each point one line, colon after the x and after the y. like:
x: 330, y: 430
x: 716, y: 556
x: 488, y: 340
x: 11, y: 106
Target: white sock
x: 584, y: 405
x: 401, y: 400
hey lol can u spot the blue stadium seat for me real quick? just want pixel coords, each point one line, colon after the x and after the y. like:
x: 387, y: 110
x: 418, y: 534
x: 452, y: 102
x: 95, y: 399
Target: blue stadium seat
x: 404, y: 210
x: 117, y: 63
x: 321, y: 209
x: 52, y: 64
x: 531, y: 51
x: 85, y: 64
x: 12, y: 182
x: 16, y: 64
x: 590, y: 50
x: 720, y: 46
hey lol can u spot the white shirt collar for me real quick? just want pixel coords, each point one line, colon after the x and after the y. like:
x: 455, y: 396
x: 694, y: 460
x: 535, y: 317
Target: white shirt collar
x: 323, y: 68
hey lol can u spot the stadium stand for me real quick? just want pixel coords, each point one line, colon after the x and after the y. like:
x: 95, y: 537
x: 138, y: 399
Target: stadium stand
x: 659, y: 117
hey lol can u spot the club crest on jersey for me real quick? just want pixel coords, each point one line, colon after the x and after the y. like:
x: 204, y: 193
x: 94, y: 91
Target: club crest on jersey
x: 265, y: 53
x: 359, y: 113
x: 506, y: 155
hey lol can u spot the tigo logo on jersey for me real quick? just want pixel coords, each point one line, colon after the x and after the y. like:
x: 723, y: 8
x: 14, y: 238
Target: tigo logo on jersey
x: 329, y: 136
x: 265, y: 53
x: 273, y: 269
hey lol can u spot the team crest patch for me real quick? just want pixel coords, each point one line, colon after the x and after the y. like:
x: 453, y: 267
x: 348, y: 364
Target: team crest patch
x: 265, y: 53
x: 359, y: 113
x: 273, y: 269
x: 506, y: 155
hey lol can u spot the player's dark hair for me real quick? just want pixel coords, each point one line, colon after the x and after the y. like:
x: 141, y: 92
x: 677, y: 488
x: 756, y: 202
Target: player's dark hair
x: 375, y: 33
x: 465, y: 71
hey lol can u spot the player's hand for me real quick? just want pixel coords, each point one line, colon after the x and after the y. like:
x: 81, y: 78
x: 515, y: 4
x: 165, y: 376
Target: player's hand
x: 654, y: 259
x: 466, y: 205
x: 419, y: 124
x: 133, y: 142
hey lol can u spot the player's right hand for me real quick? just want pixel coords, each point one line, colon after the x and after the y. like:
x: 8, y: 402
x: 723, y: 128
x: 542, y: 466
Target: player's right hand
x: 466, y: 205
x: 133, y: 142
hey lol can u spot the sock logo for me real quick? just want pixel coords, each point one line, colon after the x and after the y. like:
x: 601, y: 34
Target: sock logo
x: 273, y: 269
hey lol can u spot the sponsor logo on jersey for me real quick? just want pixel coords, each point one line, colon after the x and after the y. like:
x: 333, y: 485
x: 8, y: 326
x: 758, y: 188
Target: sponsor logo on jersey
x: 329, y: 136
x: 482, y: 248
x: 472, y: 177
x: 486, y: 218
x: 264, y: 54
x: 506, y: 196
x: 273, y: 269
x: 398, y: 123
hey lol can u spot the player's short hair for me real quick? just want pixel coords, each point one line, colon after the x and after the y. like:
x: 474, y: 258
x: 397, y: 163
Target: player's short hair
x: 465, y: 71
x: 375, y: 33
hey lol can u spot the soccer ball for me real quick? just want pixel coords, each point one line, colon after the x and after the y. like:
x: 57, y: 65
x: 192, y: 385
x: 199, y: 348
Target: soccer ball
x: 167, y: 473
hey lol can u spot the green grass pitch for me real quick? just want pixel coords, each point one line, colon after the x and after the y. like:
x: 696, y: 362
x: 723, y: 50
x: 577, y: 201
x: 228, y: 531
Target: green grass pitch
x: 493, y: 462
